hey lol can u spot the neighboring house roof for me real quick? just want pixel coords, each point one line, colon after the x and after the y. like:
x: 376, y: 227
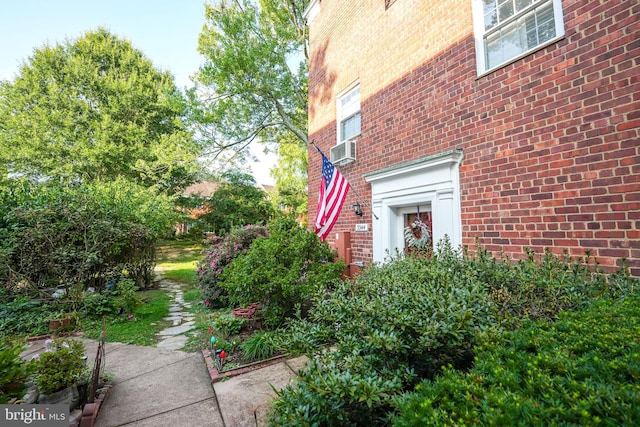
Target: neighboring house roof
x: 267, y: 188
x: 202, y: 188
x: 207, y: 188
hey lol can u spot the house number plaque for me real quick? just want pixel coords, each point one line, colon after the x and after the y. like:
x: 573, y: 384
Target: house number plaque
x: 362, y: 227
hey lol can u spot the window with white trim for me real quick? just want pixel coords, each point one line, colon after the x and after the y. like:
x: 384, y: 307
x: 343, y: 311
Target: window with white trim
x: 506, y: 30
x: 348, y: 109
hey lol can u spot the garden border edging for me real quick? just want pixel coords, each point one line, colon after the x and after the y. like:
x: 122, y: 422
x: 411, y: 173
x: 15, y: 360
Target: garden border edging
x: 219, y: 376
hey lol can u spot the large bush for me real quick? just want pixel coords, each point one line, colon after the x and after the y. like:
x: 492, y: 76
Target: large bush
x: 282, y: 271
x: 395, y: 324
x: 540, y: 287
x: 218, y: 255
x: 583, y: 369
x: 79, y: 236
x: 403, y: 322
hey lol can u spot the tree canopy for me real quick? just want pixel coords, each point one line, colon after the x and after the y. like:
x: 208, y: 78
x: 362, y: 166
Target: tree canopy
x: 253, y: 84
x: 95, y: 108
x: 236, y: 203
x: 290, y: 176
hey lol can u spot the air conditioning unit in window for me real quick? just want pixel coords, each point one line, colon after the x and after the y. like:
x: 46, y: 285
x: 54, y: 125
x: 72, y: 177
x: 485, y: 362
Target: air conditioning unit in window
x: 344, y: 153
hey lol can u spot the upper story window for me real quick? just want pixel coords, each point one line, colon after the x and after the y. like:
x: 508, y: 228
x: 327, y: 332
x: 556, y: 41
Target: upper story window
x: 507, y: 30
x: 349, y: 114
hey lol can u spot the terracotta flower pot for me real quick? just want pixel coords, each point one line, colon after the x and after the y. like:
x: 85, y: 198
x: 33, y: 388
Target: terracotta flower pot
x: 55, y: 324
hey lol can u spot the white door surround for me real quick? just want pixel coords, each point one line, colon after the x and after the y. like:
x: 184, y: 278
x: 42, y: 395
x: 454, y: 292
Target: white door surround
x: 429, y: 182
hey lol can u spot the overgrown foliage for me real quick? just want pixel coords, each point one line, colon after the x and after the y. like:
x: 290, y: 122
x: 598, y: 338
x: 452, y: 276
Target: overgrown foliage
x: 583, y: 369
x: 374, y: 339
x: 22, y: 315
x: 390, y: 327
x: 281, y: 271
x: 80, y: 236
x: 226, y: 324
x: 540, y: 287
x: 219, y: 254
x: 13, y: 371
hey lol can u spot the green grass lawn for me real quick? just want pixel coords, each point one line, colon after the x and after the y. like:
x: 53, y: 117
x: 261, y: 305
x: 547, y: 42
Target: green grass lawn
x: 141, y: 329
x: 178, y: 260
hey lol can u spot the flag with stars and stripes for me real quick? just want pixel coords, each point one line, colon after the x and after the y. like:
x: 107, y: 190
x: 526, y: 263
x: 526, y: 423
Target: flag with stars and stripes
x: 333, y: 192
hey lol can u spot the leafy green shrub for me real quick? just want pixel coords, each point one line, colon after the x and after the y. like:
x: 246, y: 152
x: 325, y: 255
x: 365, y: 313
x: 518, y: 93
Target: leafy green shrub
x: 122, y: 299
x: 218, y: 255
x: 126, y: 297
x: 582, y: 370
x: 60, y: 366
x: 282, y: 271
x: 542, y: 287
x: 260, y: 345
x: 402, y: 322
x: 98, y: 304
x: 13, y: 369
x: 80, y: 235
x: 395, y: 324
x: 227, y: 324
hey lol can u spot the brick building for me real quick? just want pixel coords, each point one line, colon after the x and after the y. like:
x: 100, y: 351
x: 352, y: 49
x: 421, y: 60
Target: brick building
x: 514, y: 122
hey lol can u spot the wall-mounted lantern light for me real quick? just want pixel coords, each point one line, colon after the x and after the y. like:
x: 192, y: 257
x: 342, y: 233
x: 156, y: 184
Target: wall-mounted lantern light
x: 357, y: 209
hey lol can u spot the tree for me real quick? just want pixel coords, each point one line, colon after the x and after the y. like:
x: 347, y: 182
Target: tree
x: 95, y: 109
x: 291, y: 179
x: 236, y: 203
x: 253, y: 85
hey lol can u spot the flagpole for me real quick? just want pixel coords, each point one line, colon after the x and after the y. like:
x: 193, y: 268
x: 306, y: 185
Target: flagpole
x: 365, y: 203
x: 354, y: 190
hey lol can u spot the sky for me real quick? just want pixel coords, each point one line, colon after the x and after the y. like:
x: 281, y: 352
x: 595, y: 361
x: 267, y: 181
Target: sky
x: 166, y: 31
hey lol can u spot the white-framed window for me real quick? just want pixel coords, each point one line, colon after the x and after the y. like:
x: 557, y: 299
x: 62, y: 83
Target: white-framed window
x: 507, y: 30
x: 348, y: 113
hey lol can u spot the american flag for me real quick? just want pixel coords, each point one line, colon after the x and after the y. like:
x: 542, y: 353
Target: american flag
x: 333, y: 192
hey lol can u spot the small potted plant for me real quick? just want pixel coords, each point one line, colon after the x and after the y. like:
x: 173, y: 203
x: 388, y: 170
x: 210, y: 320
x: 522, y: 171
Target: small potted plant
x: 57, y: 371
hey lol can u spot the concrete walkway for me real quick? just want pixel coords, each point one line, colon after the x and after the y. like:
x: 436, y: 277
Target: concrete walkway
x: 164, y: 386
x: 159, y: 387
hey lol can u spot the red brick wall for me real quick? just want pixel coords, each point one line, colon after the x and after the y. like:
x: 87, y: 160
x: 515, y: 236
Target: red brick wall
x: 551, y: 142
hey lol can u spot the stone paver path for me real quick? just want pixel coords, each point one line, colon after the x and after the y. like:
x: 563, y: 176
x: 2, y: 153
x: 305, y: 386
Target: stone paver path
x: 173, y: 337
